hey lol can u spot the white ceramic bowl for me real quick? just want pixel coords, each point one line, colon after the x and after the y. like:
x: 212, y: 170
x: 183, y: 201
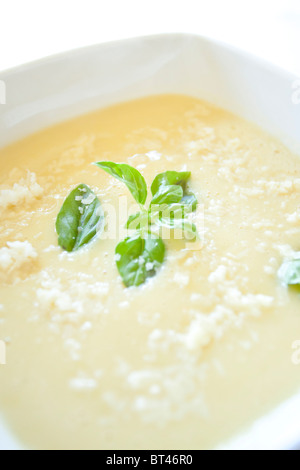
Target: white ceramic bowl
x: 64, y: 86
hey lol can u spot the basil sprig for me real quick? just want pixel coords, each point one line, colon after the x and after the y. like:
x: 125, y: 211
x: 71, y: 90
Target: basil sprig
x: 80, y: 219
x: 140, y: 256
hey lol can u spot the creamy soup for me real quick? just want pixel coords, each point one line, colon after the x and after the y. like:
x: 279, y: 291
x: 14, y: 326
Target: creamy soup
x: 200, y: 351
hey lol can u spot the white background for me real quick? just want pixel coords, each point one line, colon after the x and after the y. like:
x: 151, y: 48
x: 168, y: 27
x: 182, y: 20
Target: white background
x: 31, y: 29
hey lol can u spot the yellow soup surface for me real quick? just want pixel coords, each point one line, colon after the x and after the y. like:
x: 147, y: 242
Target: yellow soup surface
x: 194, y: 356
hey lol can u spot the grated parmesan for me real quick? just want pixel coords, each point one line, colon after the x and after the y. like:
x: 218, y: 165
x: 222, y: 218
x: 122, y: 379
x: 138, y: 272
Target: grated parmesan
x: 25, y: 191
x: 16, y: 254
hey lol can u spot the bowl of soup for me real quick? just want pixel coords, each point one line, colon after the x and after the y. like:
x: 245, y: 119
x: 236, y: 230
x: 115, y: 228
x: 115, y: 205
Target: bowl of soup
x: 117, y: 335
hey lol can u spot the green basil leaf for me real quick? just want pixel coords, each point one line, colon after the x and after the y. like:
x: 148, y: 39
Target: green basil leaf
x: 179, y: 178
x: 167, y: 195
x: 169, y: 178
x: 128, y: 175
x: 289, y: 273
x: 139, y: 258
x: 80, y: 219
x: 137, y: 221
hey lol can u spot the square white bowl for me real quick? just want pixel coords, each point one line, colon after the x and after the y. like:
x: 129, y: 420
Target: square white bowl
x: 64, y: 86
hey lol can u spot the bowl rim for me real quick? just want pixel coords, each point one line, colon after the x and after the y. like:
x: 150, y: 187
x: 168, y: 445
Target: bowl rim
x: 264, y: 63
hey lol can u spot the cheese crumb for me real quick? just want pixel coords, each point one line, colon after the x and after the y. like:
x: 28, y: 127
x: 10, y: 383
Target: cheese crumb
x: 16, y: 254
x: 25, y: 191
x: 219, y: 275
x: 88, y: 200
x: 181, y: 279
x: 83, y: 384
x: 153, y: 155
x: 294, y: 218
x: 149, y: 266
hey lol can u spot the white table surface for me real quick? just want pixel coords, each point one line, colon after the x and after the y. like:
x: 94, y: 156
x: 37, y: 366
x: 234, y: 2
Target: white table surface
x: 33, y: 29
